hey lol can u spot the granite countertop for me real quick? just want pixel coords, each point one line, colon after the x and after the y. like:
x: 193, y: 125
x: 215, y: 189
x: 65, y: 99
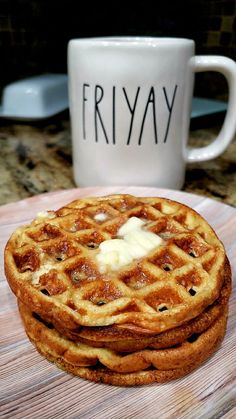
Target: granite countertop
x: 36, y: 158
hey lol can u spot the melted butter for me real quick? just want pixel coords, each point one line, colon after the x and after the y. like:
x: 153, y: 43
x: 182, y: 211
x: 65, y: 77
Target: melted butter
x: 41, y: 271
x: 133, y: 242
x: 101, y: 216
x: 45, y: 214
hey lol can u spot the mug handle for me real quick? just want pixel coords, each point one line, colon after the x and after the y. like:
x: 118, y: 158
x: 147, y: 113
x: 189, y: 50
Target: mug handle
x: 227, y: 67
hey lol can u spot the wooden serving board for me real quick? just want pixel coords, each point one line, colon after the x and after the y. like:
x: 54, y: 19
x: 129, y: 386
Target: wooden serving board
x: 32, y: 387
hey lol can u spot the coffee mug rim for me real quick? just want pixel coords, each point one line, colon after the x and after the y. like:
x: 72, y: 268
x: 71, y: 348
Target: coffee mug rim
x: 134, y: 41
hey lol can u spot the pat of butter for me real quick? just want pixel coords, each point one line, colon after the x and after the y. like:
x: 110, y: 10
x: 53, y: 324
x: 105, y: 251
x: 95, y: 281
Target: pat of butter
x: 134, y: 242
x: 45, y: 214
x: 41, y: 271
x: 101, y: 216
x: 132, y: 224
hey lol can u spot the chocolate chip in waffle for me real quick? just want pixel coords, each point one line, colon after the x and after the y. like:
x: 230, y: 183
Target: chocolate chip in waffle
x: 52, y: 265
x: 112, y: 367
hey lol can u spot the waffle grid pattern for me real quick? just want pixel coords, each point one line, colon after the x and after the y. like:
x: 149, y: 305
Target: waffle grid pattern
x: 54, y: 259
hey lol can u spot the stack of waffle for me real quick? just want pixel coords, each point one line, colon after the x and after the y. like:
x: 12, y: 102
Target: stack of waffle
x: 136, y: 318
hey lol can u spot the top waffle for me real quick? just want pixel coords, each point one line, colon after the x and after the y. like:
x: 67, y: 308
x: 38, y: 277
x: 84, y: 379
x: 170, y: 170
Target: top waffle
x: 52, y: 265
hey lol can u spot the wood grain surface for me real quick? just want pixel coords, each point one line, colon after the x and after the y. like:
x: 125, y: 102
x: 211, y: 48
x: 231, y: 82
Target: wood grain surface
x: 32, y: 387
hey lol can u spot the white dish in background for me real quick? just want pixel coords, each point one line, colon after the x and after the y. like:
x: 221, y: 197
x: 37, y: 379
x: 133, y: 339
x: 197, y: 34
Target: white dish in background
x: 35, y: 98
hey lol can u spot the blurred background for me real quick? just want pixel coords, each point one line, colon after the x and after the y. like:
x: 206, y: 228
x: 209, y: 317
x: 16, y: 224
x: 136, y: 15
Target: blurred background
x: 34, y: 33
x: 36, y: 155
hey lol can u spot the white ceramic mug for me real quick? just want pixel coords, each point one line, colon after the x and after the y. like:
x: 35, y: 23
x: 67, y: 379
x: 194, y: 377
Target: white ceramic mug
x: 130, y: 105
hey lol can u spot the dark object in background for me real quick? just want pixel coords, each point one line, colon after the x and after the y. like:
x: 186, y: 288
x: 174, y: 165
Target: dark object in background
x: 34, y: 33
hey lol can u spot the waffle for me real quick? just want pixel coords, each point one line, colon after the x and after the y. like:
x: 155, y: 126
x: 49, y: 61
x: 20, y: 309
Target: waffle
x: 124, y: 340
x: 51, y: 266
x: 112, y: 367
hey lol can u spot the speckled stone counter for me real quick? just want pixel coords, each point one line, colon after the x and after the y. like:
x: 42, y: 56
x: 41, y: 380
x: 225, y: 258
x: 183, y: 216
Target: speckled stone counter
x: 36, y: 158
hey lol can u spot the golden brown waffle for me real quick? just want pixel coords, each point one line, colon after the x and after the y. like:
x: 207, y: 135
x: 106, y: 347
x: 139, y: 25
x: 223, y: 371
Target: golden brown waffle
x: 51, y: 265
x: 141, y: 367
x: 124, y: 340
